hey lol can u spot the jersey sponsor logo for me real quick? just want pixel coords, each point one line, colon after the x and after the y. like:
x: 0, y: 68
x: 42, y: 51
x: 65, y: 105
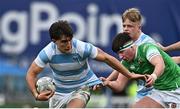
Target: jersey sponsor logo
x: 140, y: 61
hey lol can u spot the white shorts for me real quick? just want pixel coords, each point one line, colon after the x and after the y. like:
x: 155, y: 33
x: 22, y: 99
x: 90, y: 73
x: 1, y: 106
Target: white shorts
x: 60, y: 100
x: 168, y: 99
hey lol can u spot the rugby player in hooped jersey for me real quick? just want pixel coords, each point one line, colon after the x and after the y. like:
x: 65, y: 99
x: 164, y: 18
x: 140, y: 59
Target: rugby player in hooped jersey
x: 68, y: 60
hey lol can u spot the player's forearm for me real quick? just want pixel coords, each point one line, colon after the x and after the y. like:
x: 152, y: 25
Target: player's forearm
x: 114, y: 63
x: 31, y: 78
x: 115, y: 86
x: 113, y: 75
x: 159, y: 69
x: 32, y: 73
x: 176, y: 59
x: 175, y: 46
x: 31, y: 81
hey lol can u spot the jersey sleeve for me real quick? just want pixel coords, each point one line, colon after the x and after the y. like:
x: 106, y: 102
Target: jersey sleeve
x: 86, y: 49
x: 44, y: 55
x: 151, y: 52
x: 93, y: 51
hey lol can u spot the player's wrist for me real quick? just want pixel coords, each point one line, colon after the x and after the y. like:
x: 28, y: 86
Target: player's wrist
x: 154, y: 76
x: 36, y: 96
x: 108, y: 79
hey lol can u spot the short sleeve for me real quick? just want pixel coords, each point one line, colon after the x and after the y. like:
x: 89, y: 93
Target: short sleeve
x: 85, y: 49
x: 94, y: 51
x: 44, y: 55
x: 151, y: 52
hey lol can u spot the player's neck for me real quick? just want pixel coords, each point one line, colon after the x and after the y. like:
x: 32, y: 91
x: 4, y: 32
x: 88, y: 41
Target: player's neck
x: 136, y: 37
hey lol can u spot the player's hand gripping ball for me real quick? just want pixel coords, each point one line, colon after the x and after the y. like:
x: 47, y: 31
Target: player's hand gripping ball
x: 44, y: 84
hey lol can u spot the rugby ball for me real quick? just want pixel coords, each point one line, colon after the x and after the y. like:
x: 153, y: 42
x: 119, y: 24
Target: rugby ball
x: 44, y: 84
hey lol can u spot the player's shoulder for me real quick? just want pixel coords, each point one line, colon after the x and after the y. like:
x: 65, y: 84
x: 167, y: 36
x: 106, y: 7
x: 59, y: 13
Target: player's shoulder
x: 145, y: 46
x: 79, y: 43
x: 148, y: 44
x: 50, y: 46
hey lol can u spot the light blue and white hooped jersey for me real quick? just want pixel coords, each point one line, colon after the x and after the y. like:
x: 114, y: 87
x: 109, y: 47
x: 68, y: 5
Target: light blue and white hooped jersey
x: 70, y: 71
x: 143, y: 38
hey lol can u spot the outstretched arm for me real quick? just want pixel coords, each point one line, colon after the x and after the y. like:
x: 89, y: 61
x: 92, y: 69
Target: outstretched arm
x: 117, y: 85
x: 113, y: 75
x: 174, y: 46
x: 176, y: 59
x: 115, y: 64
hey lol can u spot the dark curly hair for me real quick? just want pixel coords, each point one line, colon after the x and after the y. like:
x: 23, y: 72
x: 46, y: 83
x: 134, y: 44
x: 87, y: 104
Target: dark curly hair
x: 119, y: 41
x: 60, y: 28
